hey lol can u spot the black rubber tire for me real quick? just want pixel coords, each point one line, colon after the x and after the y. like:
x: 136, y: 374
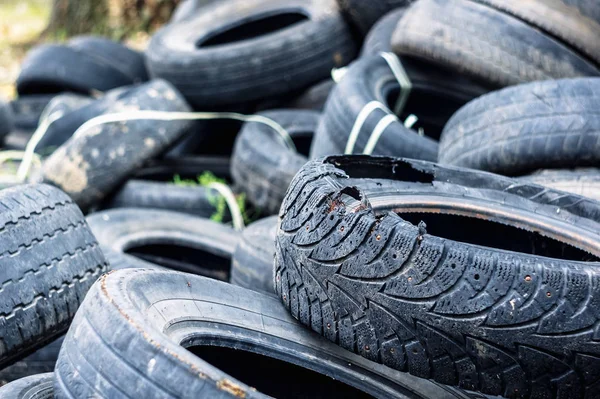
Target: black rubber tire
x: 41, y: 361
x: 262, y: 165
x: 193, y: 200
x: 364, y: 14
x: 128, y: 62
x: 371, y: 79
x: 39, y: 386
x: 250, y: 68
x: 252, y: 262
x: 52, y: 68
x: 313, y: 98
x: 558, y: 19
x: 187, y: 167
x: 493, y: 320
x: 6, y: 119
x: 151, y: 310
x: 50, y: 260
x: 584, y: 181
x: 128, y: 229
x: 16, y: 140
x: 379, y: 38
x: 89, y: 167
x: 484, y: 43
x: 28, y: 109
x: 517, y: 130
x: 58, y: 132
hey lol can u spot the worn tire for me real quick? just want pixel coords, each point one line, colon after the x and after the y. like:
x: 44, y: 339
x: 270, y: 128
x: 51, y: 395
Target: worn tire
x: 364, y: 14
x: 558, y: 19
x: 379, y: 38
x: 484, y: 43
x: 6, y: 119
x: 584, y: 181
x: 371, y: 79
x: 135, y: 333
x: 193, y: 200
x: 187, y: 167
x: 16, y: 140
x: 50, y: 260
x: 517, y: 130
x: 497, y: 321
x: 52, y: 68
x: 208, y: 61
x: 262, y: 165
x: 39, y: 386
x: 252, y: 262
x: 126, y: 61
x: 205, y: 247
x: 27, y: 110
x: 90, y: 166
x: 313, y: 98
x: 41, y: 361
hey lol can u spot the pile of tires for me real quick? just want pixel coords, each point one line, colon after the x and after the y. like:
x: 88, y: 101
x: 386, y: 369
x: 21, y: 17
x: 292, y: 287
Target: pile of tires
x: 317, y: 198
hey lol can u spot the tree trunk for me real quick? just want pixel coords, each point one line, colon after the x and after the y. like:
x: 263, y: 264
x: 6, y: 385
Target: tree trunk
x: 116, y: 18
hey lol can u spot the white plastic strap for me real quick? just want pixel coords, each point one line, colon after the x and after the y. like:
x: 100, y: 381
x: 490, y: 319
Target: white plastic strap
x: 236, y: 213
x: 402, y: 78
x: 338, y: 73
x: 180, y: 116
x: 378, y: 131
x: 360, y: 121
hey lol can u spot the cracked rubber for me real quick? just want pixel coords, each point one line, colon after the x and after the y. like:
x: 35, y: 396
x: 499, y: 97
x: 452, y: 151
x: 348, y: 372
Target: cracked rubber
x: 251, y: 67
x: 135, y: 325
x: 517, y: 130
x: 252, y: 261
x: 262, y: 165
x: 492, y: 320
x: 582, y: 181
x: 39, y: 386
x: 121, y: 230
x: 93, y: 164
x: 484, y: 43
x: 49, y: 260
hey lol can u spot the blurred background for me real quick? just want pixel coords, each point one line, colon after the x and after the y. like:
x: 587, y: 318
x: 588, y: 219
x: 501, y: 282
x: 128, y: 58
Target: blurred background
x: 25, y: 23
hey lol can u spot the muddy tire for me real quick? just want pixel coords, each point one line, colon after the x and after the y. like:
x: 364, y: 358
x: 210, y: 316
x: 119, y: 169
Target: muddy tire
x: 485, y: 44
x: 252, y: 262
x: 168, y: 239
x: 438, y: 308
x: 225, y: 328
x: 584, y: 181
x: 520, y: 129
x: 238, y: 51
x: 39, y: 386
x: 262, y: 165
x: 51, y: 258
x: 92, y: 165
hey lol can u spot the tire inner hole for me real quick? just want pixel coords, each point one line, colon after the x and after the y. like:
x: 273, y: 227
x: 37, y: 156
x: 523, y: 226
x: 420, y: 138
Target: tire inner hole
x: 273, y: 377
x: 495, y: 235
x: 253, y: 27
x: 184, y: 259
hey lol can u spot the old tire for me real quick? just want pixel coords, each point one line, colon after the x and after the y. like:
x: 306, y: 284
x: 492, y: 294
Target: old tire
x: 520, y: 129
x: 484, y: 43
x: 27, y: 110
x: 583, y: 181
x: 6, y: 119
x: 90, y: 166
x: 252, y: 262
x: 41, y: 361
x: 139, y: 331
x: 238, y: 51
x: 438, y: 308
x: 364, y: 14
x: 168, y: 239
x: 39, y: 386
x: 51, y: 258
x: 187, y: 167
x: 262, y: 165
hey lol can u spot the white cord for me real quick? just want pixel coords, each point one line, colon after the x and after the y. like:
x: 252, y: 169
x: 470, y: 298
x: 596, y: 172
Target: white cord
x: 175, y: 116
x: 403, y: 80
x: 338, y: 73
x: 360, y: 121
x: 378, y: 131
x: 236, y: 213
